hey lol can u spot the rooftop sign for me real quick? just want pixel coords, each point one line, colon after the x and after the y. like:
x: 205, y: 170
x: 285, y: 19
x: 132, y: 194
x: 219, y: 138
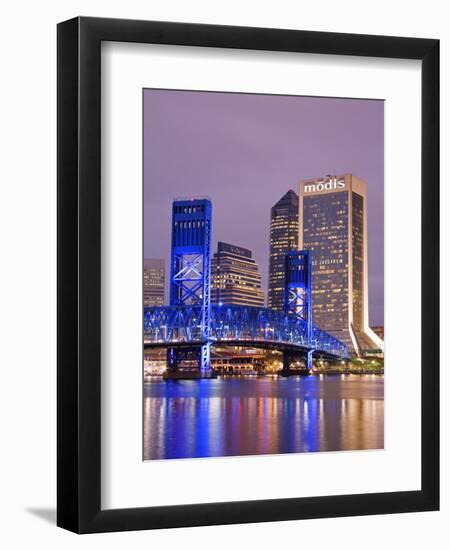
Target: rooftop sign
x: 326, y: 185
x: 239, y: 251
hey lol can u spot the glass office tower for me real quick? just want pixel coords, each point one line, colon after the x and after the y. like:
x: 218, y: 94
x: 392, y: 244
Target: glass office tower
x: 333, y: 225
x: 235, y: 277
x: 283, y: 239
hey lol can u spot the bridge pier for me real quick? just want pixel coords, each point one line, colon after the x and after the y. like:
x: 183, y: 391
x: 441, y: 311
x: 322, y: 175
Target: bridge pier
x: 188, y: 363
x: 309, y: 360
x: 296, y: 363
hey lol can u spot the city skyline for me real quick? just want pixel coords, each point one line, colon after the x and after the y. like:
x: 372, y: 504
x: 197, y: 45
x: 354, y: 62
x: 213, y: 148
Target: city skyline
x: 195, y: 143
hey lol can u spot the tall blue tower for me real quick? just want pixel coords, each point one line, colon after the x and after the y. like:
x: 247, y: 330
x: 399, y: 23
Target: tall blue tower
x: 297, y: 288
x: 190, y: 269
x: 297, y: 292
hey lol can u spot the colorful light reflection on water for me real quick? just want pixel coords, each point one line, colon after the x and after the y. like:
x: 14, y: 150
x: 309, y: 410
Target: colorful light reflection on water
x: 264, y: 415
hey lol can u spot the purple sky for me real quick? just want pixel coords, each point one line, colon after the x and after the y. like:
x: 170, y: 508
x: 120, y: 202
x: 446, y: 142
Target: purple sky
x: 245, y: 151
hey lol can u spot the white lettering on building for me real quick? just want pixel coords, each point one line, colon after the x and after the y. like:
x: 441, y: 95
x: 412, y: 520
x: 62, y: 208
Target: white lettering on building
x: 332, y: 183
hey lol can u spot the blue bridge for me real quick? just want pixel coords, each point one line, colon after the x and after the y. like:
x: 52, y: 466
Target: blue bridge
x: 191, y: 324
x: 236, y: 325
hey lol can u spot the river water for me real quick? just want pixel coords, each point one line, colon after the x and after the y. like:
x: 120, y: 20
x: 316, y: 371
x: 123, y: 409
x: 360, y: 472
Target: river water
x: 262, y: 415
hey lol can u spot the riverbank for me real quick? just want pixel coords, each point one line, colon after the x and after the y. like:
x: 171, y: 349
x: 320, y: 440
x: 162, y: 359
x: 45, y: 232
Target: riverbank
x: 355, y: 366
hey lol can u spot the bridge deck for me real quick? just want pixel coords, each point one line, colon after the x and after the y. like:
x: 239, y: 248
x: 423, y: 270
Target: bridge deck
x: 176, y: 326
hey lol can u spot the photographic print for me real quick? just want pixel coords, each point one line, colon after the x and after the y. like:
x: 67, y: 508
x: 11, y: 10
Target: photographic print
x: 263, y: 274
x: 226, y: 255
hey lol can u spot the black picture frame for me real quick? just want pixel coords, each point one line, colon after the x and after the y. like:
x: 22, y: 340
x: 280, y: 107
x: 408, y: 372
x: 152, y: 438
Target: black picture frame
x: 79, y: 281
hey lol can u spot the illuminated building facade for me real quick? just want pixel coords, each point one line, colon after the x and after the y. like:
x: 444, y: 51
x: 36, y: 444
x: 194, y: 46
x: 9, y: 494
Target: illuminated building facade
x: 154, y: 274
x: 333, y: 225
x: 235, y: 277
x: 283, y: 239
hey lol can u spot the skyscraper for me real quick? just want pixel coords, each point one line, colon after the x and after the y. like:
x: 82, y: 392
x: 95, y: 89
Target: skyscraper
x: 333, y: 225
x: 153, y: 282
x: 235, y: 277
x: 283, y: 239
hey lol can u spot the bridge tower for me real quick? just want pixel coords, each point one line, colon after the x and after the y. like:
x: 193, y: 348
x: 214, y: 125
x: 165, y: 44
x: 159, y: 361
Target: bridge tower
x: 190, y: 274
x: 298, y: 297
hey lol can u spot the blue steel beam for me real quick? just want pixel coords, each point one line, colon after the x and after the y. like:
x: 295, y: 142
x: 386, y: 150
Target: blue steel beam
x: 298, y: 291
x: 183, y: 324
x: 190, y: 269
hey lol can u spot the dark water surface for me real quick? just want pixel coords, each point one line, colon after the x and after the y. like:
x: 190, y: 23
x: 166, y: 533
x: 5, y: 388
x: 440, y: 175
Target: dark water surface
x: 264, y: 415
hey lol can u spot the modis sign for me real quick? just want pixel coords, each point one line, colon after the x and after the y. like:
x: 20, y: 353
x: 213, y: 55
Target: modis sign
x: 325, y: 185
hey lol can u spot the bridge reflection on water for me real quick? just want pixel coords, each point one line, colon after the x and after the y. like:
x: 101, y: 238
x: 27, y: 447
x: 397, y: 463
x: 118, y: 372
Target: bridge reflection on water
x: 266, y: 415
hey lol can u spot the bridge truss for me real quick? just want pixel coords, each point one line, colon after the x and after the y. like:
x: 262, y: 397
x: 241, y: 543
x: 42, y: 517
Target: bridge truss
x: 181, y: 325
x: 190, y: 269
